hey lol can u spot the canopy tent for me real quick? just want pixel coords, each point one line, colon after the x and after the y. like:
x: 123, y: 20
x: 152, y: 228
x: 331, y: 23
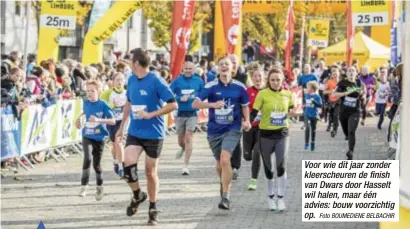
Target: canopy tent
x: 365, y: 50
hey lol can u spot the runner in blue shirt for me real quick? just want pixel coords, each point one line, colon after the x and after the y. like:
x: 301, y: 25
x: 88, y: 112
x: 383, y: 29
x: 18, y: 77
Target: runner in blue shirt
x: 311, y: 110
x: 306, y: 77
x: 186, y: 88
x: 228, y: 114
x: 97, y: 114
x: 146, y: 94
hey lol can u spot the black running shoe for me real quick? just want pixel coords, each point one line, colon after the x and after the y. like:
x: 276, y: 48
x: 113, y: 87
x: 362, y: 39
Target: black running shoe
x: 333, y: 133
x: 153, y: 217
x: 328, y: 129
x: 133, y: 207
x: 224, y: 204
x: 349, y: 155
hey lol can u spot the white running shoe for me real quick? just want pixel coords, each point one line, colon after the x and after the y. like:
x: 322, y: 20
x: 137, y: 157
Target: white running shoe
x: 281, y: 205
x: 179, y: 153
x: 272, y: 202
x: 83, y: 191
x: 99, y: 193
x: 185, y: 171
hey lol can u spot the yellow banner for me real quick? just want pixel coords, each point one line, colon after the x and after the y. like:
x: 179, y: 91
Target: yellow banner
x: 318, y: 33
x: 270, y: 6
x: 369, y: 6
x: 104, y: 28
x: 219, y: 35
x: 53, y: 17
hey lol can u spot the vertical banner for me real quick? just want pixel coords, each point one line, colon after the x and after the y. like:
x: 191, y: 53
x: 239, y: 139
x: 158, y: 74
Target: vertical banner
x: 289, y: 27
x: 104, y: 28
x: 10, y: 134
x: 318, y: 33
x: 231, y: 17
x: 393, y: 34
x: 37, y: 128
x: 349, y: 33
x: 55, y: 15
x: 182, y: 17
x: 65, y: 122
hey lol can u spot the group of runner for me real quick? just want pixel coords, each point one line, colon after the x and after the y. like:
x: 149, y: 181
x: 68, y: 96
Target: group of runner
x: 260, y: 113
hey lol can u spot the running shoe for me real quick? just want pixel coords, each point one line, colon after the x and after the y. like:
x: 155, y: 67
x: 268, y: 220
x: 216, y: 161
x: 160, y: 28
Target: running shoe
x: 179, y: 153
x: 153, y: 217
x: 252, y: 185
x: 303, y: 127
x: 99, y: 194
x: 281, y: 204
x: 333, y: 133
x: 83, y: 191
x: 133, y: 207
x: 224, y: 204
x: 273, y: 205
x: 362, y: 122
x: 349, y: 155
x: 328, y: 129
x: 235, y: 174
x: 312, y: 146
x: 185, y: 171
x: 306, y: 146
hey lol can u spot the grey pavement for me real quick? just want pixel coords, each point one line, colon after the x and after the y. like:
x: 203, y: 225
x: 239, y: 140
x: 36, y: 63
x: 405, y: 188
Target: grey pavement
x: 49, y: 192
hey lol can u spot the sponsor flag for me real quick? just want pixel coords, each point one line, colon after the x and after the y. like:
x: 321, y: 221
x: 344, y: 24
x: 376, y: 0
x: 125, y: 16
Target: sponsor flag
x: 231, y: 16
x: 289, y: 27
x: 183, y: 13
x: 349, y: 33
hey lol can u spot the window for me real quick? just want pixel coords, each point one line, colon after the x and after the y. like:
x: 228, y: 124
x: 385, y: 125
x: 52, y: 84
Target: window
x: 17, y: 10
x: 131, y: 22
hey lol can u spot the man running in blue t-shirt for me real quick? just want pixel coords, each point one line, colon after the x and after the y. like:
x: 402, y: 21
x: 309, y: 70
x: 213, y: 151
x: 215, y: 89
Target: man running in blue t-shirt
x: 146, y: 94
x: 186, y: 88
x: 228, y: 104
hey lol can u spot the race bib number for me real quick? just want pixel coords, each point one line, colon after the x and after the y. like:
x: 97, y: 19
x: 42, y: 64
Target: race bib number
x: 91, y: 128
x: 118, y: 112
x: 277, y: 118
x: 350, y: 101
x: 224, y: 116
x: 136, y: 109
x: 309, y: 103
x: 382, y: 95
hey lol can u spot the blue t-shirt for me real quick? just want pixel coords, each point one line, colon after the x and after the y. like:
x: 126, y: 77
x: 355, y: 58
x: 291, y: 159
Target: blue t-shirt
x: 100, y: 109
x: 190, y: 86
x: 148, y: 94
x: 312, y: 105
x: 230, y: 117
x: 304, y: 79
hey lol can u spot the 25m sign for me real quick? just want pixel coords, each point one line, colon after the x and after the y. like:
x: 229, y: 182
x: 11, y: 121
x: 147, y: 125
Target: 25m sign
x: 58, y: 22
x: 370, y: 13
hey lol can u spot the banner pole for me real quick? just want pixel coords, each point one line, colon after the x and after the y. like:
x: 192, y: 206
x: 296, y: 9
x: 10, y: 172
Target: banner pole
x: 28, y: 14
x: 302, y: 42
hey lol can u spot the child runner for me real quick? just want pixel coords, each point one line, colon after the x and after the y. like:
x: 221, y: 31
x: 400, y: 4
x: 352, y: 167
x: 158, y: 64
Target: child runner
x: 250, y: 144
x: 97, y: 115
x: 313, y: 102
x: 334, y: 106
x: 116, y: 98
x: 382, y: 93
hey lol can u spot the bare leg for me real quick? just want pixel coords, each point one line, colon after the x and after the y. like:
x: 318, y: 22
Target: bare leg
x: 151, y: 165
x: 188, y: 147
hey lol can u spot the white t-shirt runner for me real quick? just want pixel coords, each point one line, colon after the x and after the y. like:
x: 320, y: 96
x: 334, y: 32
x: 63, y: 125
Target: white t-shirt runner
x: 383, y: 92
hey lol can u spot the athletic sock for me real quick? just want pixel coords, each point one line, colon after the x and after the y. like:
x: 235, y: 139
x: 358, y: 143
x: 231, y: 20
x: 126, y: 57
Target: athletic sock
x: 137, y: 193
x: 152, y: 205
x: 281, y: 185
x: 271, y: 187
x: 225, y: 195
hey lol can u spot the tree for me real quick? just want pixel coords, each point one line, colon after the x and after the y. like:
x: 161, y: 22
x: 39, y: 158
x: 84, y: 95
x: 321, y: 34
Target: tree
x: 159, y: 15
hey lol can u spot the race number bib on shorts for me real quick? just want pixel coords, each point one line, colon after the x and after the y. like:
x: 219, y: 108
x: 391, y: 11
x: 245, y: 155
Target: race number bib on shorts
x: 91, y: 128
x: 118, y: 112
x: 224, y: 116
x: 350, y: 101
x: 136, y: 109
x: 277, y: 118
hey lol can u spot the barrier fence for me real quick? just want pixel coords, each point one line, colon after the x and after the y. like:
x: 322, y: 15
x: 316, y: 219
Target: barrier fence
x: 52, y: 128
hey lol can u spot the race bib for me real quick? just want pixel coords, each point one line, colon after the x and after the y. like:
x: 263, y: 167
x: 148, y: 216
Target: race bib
x: 224, y: 116
x: 118, y: 112
x: 309, y: 103
x: 136, y: 109
x: 382, y: 95
x: 91, y: 128
x: 277, y: 118
x: 188, y: 92
x: 350, y: 101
